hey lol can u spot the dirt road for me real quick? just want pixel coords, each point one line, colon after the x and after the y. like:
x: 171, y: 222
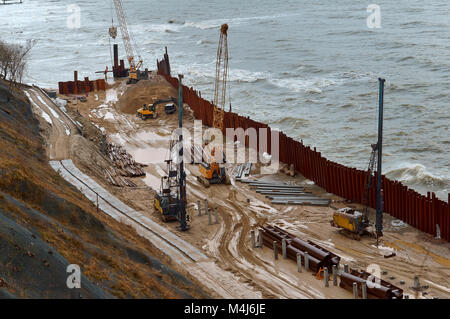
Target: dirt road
x: 62, y: 128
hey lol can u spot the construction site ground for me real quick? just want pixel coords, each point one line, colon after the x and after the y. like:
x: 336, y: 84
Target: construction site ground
x: 234, y: 269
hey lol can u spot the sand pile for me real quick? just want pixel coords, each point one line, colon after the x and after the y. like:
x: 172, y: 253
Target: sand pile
x: 146, y: 92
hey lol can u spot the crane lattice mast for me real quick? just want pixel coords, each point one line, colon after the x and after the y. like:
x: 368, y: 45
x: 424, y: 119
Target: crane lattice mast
x: 126, y: 36
x: 220, y: 85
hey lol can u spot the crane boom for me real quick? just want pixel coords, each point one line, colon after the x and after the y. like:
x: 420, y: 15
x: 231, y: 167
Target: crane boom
x: 134, y: 66
x: 220, y: 85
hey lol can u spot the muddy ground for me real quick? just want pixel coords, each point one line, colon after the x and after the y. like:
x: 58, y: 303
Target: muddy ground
x: 240, y: 210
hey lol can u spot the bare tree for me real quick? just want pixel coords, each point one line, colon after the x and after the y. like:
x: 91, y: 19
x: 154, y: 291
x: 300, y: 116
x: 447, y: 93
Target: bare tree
x: 13, y: 61
x: 5, y: 59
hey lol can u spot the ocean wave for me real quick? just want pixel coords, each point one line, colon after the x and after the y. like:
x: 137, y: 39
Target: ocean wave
x: 294, y: 123
x: 406, y: 58
x: 156, y: 28
x: 215, y: 23
x: 417, y: 175
x: 207, y: 72
x: 204, y: 41
x: 316, y: 85
x: 304, y: 85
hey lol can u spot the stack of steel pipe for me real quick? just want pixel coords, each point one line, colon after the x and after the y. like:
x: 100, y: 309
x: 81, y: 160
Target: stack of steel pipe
x: 286, y: 194
x: 318, y: 256
x: 379, y: 288
x: 248, y: 167
x: 240, y: 170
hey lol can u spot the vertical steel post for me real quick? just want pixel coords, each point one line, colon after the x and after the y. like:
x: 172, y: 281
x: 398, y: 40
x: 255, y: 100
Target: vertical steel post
x: 306, y: 261
x: 364, y: 290
x: 216, y: 217
x: 182, y: 178
x: 283, y: 248
x: 260, y: 238
x: 209, y: 217
x: 355, y: 290
x: 299, y: 262
x: 252, y: 238
x: 335, y: 271
x: 379, y: 214
x: 325, y: 276
x: 275, y: 250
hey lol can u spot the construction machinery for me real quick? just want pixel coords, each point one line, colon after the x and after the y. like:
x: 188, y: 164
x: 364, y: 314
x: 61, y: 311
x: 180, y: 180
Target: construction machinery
x: 146, y: 112
x: 220, y: 85
x: 150, y: 111
x: 134, y: 72
x: 170, y: 201
x: 353, y: 222
x: 166, y: 200
x: 212, y: 172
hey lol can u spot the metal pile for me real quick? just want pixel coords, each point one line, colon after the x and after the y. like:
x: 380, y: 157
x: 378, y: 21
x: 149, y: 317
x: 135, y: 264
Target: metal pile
x: 116, y: 180
x: 318, y: 256
x: 243, y: 170
x: 81, y: 87
x: 286, y: 194
x: 125, y: 166
x: 378, y: 289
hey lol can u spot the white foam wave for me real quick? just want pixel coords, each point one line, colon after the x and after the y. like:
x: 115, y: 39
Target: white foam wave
x: 214, y: 23
x: 206, y: 72
x: 315, y: 85
x: 416, y: 174
x: 164, y: 27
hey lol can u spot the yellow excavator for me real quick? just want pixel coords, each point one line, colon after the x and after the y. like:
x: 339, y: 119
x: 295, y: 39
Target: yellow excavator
x: 212, y: 173
x: 147, y: 111
x: 150, y: 111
